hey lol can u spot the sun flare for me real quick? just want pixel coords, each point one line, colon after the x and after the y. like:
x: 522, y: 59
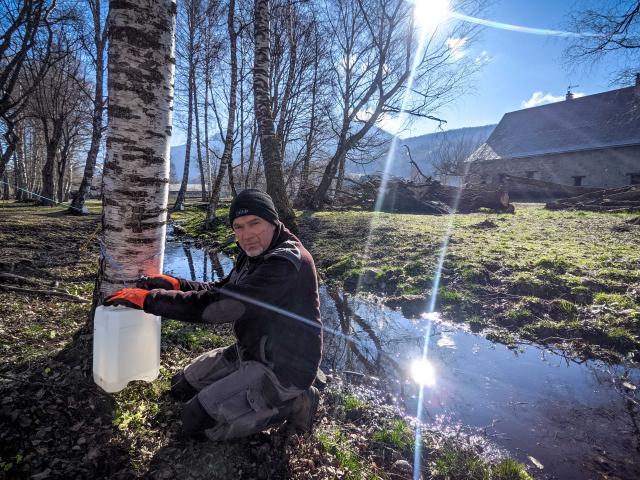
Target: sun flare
x: 423, y: 372
x: 429, y: 14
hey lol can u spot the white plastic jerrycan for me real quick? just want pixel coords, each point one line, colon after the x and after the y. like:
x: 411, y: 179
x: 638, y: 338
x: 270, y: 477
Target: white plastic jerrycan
x: 126, y: 346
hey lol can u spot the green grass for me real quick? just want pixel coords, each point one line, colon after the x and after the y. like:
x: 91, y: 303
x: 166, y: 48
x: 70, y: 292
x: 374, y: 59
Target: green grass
x: 192, y: 336
x: 336, y: 443
x: 351, y: 402
x: 614, y: 299
x: 455, y: 463
x: 398, y: 434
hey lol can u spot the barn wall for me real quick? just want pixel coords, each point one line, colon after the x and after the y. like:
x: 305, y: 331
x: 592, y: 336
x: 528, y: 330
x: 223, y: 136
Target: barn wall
x: 600, y: 168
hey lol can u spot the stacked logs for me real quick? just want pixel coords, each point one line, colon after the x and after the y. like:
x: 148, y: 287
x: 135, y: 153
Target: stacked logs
x: 397, y: 195
x: 623, y: 199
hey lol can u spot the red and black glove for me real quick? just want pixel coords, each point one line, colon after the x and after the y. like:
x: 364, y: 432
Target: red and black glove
x: 128, y: 297
x: 166, y: 282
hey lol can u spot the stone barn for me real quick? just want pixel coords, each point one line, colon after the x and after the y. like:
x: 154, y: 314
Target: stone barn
x: 589, y: 141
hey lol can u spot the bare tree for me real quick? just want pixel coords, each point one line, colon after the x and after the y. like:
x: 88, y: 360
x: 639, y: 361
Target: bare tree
x: 96, y: 52
x: 189, y: 19
x: 140, y: 90
x: 26, y: 38
x: 226, y: 159
x: 612, y: 29
x: 377, y: 51
x: 270, y: 145
x: 55, y: 103
x: 448, y: 157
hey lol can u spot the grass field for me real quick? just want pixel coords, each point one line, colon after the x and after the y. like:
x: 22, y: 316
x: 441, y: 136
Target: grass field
x: 55, y: 422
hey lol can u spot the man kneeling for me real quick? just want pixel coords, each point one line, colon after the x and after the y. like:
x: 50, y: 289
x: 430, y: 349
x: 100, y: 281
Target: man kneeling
x: 271, y: 296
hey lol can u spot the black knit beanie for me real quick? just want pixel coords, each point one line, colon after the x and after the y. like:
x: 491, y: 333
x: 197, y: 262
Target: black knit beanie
x: 253, y: 202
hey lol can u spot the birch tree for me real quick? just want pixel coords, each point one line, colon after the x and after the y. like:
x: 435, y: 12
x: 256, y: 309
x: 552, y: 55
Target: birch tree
x: 140, y: 89
x: 270, y: 145
x: 189, y: 46
x: 227, y: 154
x: 96, y: 52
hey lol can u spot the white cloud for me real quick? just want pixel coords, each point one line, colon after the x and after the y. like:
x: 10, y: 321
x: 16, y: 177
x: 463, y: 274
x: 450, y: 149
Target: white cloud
x: 456, y: 45
x: 540, y: 98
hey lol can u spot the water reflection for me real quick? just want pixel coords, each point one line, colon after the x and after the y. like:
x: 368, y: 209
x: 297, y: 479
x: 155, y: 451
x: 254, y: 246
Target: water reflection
x: 576, y: 418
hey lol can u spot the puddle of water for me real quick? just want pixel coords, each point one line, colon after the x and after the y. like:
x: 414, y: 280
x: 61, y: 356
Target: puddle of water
x: 576, y: 420
x: 183, y: 259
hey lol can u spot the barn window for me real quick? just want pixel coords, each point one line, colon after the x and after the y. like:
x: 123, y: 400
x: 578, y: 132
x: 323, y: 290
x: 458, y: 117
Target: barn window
x: 502, y: 177
x: 635, y: 178
x: 483, y: 179
x: 577, y: 180
x: 531, y: 174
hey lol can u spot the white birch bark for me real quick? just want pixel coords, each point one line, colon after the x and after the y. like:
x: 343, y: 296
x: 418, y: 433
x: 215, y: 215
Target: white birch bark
x: 136, y: 172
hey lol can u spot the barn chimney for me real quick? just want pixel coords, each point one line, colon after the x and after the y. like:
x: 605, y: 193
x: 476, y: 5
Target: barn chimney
x: 569, y: 95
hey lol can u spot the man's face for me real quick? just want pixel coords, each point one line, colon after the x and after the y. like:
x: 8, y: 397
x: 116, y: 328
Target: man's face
x: 253, y: 234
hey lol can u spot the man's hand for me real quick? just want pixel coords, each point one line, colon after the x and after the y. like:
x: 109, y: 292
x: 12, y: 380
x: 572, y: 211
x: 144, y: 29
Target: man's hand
x: 128, y: 297
x: 166, y: 282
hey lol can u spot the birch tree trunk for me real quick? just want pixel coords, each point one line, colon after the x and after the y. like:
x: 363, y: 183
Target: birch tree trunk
x: 227, y: 154
x: 269, y: 141
x: 179, y: 205
x: 100, y: 41
x: 203, y: 185
x: 136, y: 172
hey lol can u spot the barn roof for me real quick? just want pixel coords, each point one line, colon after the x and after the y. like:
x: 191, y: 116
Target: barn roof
x: 603, y: 120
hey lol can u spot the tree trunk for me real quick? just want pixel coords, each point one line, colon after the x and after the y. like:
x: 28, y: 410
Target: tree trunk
x: 141, y: 63
x: 6, y: 191
x: 207, y: 150
x: 340, y: 177
x: 20, y: 170
x: 48, y: 170
x: 304, y: 189
x: 179, y: 204
x: 226, y: 160
x: 100, y: 40
x: 269, y: 142
x: 198, y: 144
x: 11, y: 139
x: 252, y: 155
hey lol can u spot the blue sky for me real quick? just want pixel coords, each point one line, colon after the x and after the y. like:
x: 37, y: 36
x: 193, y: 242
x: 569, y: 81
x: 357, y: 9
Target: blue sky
x: 520, y: 64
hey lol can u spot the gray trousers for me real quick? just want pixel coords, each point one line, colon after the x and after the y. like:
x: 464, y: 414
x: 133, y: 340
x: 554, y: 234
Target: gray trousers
x: 242, y: 397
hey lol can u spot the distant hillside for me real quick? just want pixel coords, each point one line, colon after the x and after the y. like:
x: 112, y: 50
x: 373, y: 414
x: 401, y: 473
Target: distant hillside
x: 423, y: 149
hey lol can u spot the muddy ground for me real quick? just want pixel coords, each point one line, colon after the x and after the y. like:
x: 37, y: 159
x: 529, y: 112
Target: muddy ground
x: 55, y: 422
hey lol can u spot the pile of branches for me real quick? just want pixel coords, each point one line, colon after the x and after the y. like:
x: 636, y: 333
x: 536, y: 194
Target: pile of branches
x: 623, y: 199
x: 398, y: 195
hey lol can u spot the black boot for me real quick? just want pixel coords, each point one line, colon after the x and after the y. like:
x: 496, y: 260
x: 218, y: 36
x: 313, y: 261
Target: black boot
x: 304, y: 409
x: 181, y: 389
